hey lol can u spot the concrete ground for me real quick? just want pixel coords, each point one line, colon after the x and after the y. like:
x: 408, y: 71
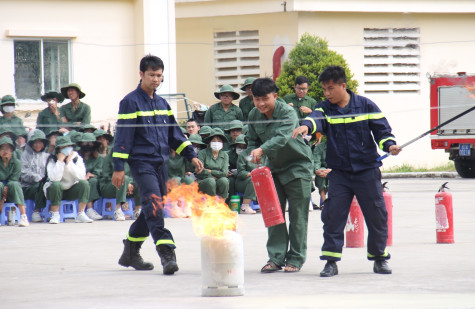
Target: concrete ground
x: 75, y: 265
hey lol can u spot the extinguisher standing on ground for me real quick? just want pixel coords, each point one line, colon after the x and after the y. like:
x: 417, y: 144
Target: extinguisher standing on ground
x: 444, y: 216
x: 388, y: 200
x: 355, y: 226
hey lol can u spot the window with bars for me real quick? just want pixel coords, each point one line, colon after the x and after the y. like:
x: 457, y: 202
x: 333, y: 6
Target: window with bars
x: 391, y: 60
x: 236, y: 57
x: 40, y: 65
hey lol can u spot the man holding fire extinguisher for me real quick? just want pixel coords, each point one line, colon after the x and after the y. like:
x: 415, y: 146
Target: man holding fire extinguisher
x: 352, y: 124
x: 271, y: 125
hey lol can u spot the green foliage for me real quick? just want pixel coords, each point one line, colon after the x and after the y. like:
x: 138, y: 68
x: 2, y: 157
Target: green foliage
x: 308, y: 58
x: 405, y: 168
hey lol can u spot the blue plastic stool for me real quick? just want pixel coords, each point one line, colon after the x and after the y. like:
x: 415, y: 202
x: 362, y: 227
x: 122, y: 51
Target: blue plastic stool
x: 113, y: 201
x: 129, y: 212
x: 29, y: 206
x: 255, y: 205
x: 4, y: 215
x: 67, y: 210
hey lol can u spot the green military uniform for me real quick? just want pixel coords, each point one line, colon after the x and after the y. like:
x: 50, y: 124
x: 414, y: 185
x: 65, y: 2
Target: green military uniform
x: 107, y: 188
x: 306, y: 101
x: 319, y: 162
x: 48, y: 122
x: 219, y: 169
x: 290, y: 161
x: 216, y: 114
x: 15, y: 124
x: 82, y: 114
x: 246, y: 105
x: 94, y: 166
x: 10, y: 177
x: 177, y: 168
x: 243, y: 182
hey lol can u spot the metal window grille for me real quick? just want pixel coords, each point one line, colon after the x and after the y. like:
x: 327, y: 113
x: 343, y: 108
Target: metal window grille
x: 391, y: 60
x: 236, y: 57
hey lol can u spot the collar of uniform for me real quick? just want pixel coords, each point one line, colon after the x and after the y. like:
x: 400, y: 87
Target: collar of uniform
x: 220, y: 154
x: 144, y: 94
x: 347, y: 108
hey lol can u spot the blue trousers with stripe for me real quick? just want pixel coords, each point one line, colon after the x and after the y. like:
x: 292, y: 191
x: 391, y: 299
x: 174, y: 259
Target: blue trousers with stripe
x: 150, y: 178
x: 366, y: 186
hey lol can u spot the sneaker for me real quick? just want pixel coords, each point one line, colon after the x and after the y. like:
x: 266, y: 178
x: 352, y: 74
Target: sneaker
x: 92, y: 213
x: 36, y: 217
x: 54, y: 217
x: 125, y: 206
x: 119, y: 215
x: 23, y: 221
x: 246, y: 209
x: 137, y: 213
x: 82, y: 218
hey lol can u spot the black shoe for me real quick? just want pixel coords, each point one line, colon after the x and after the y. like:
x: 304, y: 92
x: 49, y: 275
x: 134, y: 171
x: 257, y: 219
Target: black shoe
x: 315, y: 206
x: 329, y: 270
x: 131, y: 256
x: 167, y: 255
x: 381, y: 267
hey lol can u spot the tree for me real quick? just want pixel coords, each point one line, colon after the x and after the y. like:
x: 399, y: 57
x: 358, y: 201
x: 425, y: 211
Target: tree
x: 308, y: 58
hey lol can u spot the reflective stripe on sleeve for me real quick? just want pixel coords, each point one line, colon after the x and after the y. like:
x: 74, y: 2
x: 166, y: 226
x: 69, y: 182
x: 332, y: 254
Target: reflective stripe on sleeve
x: 120, y: 155
x: 313, y: 122
x: 160, y: 112
x: 182, y: 146
x: 338, y: 120
x: 381, y: 142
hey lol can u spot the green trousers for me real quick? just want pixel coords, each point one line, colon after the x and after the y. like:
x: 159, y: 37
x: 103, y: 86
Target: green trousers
x: 35, y: 192
x: 109, y: 191
x: 15, y: 193
x: 187, y: 180
x: 93, y: 189
x: 246, y: 187
x: 80, y: 192
x: 290, y: 246
x: 214, y: 187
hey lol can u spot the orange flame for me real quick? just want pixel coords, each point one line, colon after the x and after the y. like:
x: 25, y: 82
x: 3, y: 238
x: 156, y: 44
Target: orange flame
x: 471, y: 89
x: 210, y: 214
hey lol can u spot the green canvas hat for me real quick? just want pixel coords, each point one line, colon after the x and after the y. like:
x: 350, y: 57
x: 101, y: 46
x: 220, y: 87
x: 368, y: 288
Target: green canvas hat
x: 8, y: 99
x: 6, y: 140
x: 74, y: 136
x: 196, y: 139
x: 52, y: 95
x: 87, y: 126
x: 63, y: 141
x: 248, y: 81
x: 87, y: 137
x: 64, y: 90
x: 235, y: 124
x: 53, y: 132
x: 216, y: 132
x: 227, y: 88
x: 4, y: 129
x: 37, y: 134
x: 99, y: 132
x: 205, y: 130
x: 241, y: 139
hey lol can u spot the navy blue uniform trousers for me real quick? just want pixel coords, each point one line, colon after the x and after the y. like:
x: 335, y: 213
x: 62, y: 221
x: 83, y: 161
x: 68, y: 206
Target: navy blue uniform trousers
x: 366, y: 186
x: 151, y: 180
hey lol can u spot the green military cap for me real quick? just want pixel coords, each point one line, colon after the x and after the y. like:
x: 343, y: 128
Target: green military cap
x: 52, y: 95
x: 63, y: 141
x: 8, y: 99
x: 216, y: 132
x: 86, y: 138
x: 241, y: 139
x: 205, y: 130
x: 235, y: 124
x: 87, y: 127
x: 37, y: 135
x: 53, y: 132
x: 248, y: 81
x: 99, y: 132
x: 64, y: 90
x: 196, y: 139
x: 6, y: 140
x: 4, y: 129
x: 227, y: 88
x: 74, y: 136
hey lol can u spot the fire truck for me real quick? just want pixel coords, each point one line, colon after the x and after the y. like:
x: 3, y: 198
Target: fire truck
x: 450, y: 95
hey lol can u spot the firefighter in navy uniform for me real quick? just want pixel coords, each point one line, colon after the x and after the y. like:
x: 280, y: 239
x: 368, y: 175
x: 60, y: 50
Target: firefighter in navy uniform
x: 350, y: 122
x: 146, y: 130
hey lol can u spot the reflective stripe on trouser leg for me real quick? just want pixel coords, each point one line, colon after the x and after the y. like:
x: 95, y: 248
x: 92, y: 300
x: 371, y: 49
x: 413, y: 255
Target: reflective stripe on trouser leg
x: 334, y: 216
x: 150, y: 179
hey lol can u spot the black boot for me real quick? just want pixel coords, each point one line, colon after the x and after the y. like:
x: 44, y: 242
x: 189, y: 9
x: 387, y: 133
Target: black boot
x: 167, y: 255
x: 381, y: 267
x: 131, y: 256
x: 329, y: 270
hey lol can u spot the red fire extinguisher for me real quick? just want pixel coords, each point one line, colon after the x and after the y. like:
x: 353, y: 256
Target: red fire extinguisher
x: 388, y: 200
x: 444, y: 216
x: 355, y: 226
x: 267, y: 196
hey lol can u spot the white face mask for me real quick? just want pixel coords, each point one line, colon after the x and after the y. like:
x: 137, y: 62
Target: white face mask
x: 9, y: 109
x: 239, y: 150
x: 216, y: 146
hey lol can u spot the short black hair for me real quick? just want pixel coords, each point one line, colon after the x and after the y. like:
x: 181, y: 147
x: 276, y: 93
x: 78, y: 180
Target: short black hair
x: 151, y: 62
x: 263, y: 86
x: 193, y: 120
x: 301, y: 80
x: 333, y: 73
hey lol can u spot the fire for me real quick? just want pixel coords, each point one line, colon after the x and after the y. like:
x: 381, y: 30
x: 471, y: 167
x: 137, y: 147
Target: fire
x: 210, y: 214
x: 471, y: 89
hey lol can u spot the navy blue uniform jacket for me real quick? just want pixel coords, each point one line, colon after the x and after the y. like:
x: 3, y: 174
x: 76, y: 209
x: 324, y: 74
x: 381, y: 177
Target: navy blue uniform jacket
x: 350, y: 131
x: 146, y: 129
